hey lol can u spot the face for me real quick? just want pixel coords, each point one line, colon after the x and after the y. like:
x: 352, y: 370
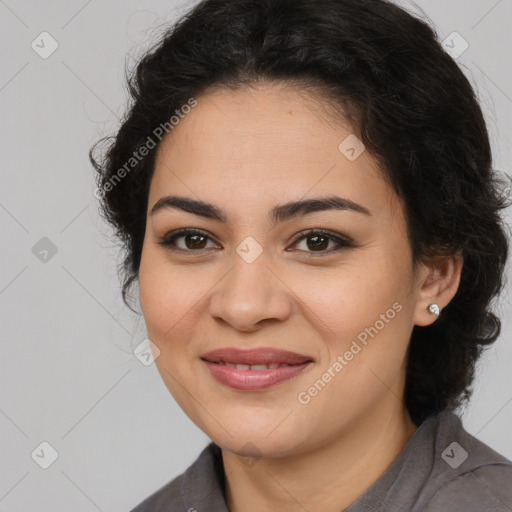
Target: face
x: 345, y: 298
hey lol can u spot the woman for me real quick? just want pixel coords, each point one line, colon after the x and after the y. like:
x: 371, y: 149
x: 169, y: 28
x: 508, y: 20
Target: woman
x: 305, y: 195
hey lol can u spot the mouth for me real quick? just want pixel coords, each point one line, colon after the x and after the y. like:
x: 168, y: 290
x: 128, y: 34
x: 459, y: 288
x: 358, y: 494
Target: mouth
x: 255, y: 369
x: 255, y: 359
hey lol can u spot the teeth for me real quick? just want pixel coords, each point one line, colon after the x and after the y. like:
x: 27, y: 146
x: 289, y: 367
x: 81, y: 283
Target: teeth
x: 256, y: 367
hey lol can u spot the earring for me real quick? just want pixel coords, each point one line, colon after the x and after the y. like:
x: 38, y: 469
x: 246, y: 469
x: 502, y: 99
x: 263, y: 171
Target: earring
x: 434, y: 309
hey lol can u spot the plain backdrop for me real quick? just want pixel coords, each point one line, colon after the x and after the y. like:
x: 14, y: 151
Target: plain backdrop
x: 69, y: 379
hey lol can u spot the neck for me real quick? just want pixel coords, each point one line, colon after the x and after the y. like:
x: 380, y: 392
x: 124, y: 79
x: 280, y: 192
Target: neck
x: 329, y: 477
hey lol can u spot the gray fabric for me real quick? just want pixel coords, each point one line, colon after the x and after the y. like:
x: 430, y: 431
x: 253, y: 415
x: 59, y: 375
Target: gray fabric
x: 431, y: 474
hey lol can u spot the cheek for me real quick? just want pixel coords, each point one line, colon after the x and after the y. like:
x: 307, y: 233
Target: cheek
x: 166, y: 300
x: 362, y: 315
x: 364, y: 322
x: 345, y: 300
x: 167, y: 293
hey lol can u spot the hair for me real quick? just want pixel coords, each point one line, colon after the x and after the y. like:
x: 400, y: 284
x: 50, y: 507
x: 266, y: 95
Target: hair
x: 409, y: 103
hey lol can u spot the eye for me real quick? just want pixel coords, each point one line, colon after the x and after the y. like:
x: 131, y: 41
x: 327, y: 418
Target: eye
x: 196, y: 240
x: 320, y: 239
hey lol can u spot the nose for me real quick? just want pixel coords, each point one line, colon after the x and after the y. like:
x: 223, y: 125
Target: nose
x: 250, y: 295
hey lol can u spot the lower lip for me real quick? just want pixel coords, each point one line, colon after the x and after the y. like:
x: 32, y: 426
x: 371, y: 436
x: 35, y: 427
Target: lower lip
x: 253, y: 380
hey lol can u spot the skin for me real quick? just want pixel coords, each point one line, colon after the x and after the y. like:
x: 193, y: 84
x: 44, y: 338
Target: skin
x: 246, y: 151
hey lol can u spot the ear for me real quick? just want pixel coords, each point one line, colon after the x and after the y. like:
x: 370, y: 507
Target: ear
x: 438, y: 284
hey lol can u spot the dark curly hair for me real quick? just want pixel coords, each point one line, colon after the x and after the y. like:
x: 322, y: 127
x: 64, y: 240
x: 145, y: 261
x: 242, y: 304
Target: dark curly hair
x: 407, y: 100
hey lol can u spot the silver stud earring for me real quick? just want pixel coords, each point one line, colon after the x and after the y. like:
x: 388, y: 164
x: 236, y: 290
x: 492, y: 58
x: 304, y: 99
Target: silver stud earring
x: 434, y: 309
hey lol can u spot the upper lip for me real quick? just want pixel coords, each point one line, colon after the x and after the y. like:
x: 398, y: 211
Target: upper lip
x: 255, y: 356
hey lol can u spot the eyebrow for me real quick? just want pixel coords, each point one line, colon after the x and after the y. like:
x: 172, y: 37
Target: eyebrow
x: 279, y: 213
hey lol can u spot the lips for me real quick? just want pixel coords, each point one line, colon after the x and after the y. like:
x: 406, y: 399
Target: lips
x: 254, y: 369
x: 270, y: 357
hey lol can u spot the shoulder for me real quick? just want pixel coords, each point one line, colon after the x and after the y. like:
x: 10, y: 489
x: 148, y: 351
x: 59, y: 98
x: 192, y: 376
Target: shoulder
x: 487, y: 488
x: 468, y: 475
x: 165, y: 499
x: 200, y: 486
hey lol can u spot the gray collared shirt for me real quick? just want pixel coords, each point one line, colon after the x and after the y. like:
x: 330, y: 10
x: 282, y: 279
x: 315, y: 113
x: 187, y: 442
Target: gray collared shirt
x: 442, y: 468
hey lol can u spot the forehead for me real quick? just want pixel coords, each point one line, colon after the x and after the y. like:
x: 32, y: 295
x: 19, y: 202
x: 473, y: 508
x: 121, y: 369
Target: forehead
x: 263, y: 122
x: 264, y: 144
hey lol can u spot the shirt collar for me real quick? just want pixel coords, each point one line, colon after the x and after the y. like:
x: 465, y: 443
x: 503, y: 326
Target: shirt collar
x: 202, y: 486
x: 203, y: 483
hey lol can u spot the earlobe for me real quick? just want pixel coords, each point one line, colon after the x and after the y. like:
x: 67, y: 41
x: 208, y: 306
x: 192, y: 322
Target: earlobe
x: 438, y: 288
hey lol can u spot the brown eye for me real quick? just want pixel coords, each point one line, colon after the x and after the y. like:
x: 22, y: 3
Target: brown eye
x: 318, y: 241
x: 196, y: 241
x: 193, y: 240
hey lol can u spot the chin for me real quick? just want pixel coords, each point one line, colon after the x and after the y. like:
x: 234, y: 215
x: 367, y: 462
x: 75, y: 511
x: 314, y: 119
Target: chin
x: 257, y: 443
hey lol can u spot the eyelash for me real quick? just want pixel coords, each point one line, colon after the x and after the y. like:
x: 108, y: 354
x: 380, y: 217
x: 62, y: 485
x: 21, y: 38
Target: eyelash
x: 344, y: 243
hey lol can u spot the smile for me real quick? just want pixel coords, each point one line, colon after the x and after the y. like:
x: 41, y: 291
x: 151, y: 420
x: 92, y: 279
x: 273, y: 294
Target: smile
x: 258, y: 377
x: 257, y: 367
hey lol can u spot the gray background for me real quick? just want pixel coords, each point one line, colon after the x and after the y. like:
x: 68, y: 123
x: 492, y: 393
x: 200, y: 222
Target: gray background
x: 68, y: 376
